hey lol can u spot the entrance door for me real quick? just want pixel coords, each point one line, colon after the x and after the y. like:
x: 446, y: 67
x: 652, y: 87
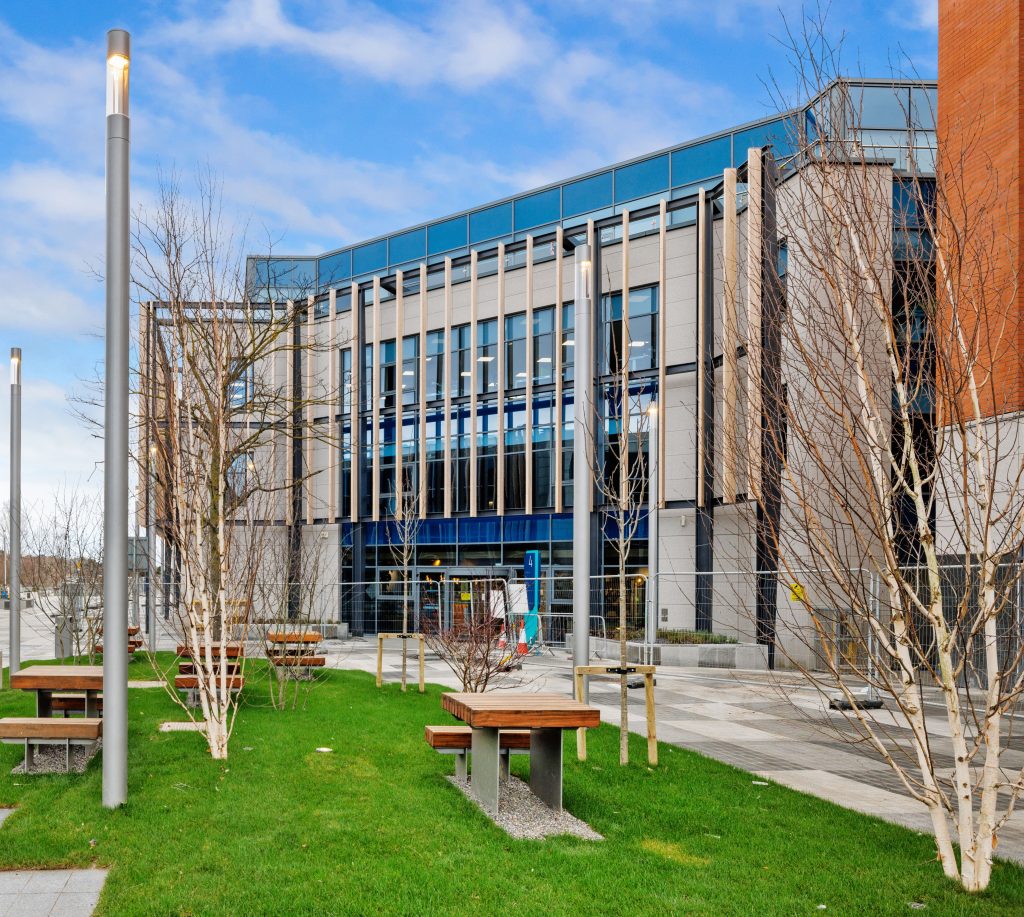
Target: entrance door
x: 459, y: 594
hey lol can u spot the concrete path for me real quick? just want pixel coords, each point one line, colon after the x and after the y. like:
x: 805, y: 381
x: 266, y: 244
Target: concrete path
x: 773, y: 725
x: 53, y: 892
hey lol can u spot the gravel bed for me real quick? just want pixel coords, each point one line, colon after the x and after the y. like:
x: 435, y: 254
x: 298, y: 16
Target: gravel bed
x: 523, y: 816
x: 49, y: 759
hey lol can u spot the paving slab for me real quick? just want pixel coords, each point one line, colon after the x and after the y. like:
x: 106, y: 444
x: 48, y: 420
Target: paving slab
x: 50, y: 892
x: 4, y: 813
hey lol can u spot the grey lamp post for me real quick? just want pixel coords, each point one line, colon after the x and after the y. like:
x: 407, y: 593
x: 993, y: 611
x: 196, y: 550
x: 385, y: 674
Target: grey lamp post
x: 14, y: 548
x: 652, y: 531
x: 583, y: 382
x: 115, y: 432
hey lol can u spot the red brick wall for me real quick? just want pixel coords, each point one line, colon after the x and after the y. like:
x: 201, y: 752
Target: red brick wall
x: 980, y: 138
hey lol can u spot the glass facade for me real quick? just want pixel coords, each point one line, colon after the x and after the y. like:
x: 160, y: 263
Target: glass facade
x: 899, y: 120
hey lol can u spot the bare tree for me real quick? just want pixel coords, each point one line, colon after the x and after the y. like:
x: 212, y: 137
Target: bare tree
x: 227, y: 409
x: 620, y: 474
x: 403, y: 530
x: 898, y: 444
x: 64, y: 564
x: 470, y: 643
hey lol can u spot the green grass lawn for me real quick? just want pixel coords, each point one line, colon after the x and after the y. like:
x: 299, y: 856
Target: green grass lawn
x: 376, y: 828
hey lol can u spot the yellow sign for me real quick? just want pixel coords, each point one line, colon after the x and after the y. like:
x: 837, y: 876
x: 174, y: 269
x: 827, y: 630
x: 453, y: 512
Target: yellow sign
x: 796, y: 592
x: 465, y: 596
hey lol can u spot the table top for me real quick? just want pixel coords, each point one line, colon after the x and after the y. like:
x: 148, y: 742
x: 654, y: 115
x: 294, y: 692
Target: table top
x: 294, y: 636
x: 59, y: 678
x: 520, y: 709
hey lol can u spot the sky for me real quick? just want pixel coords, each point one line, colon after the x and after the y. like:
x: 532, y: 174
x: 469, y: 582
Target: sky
x: 329, y: 122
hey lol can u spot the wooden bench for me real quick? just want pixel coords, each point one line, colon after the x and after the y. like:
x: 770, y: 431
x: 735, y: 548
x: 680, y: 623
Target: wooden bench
x: 191, y: 682
x: 34, y: 731
x: 189, y: 668
x: 72, y: 703
x: 231, y: 650
x: 298, y: 661
x: 458, y: 741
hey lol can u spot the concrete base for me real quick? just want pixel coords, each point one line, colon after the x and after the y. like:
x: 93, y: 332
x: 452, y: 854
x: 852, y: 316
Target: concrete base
x: 749, y: 656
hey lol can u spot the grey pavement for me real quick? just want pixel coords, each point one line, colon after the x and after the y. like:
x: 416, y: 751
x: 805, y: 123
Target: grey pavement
x: 53, y: 892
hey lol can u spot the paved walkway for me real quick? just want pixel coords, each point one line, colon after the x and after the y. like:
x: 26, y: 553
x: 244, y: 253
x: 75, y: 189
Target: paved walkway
x: 53, y: 892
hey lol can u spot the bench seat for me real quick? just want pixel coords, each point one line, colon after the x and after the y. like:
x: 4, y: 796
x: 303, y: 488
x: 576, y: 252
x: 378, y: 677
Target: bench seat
x: 42, y: 729
x: 299, y: 661
x: 458, y: 741
x: 72, y: 703
x: 191, y: 682
x: 232, y: 650
x: 189, y: 668
x: 461, y: 737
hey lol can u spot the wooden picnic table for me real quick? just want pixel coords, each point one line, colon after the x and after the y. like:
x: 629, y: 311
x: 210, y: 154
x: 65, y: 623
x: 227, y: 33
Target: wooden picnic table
x: 46, y: 679
x: 545, y: 715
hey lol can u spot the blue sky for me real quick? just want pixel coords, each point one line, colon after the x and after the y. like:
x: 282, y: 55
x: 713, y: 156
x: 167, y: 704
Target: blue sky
x: 330, y: 122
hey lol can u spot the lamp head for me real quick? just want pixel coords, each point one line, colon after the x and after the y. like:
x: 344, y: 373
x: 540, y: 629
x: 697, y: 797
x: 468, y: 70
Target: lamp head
x: 118, y: 60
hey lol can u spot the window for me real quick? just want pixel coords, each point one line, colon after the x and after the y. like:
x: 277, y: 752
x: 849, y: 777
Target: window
x: 237, y: 476
x: 780, y: 134
x: 410, y: 369
x: 587, y: 194
x: 642, y: 333
x: 346, y: 381
x: 387, y: 375
x: 369, y: 258
x: 568, y: 341
x: 515, y: 455
x: 366, y: 395
x: 487, y: 458
x: 641, y: 178
x: 334, y: 268
x: 443, y: 237
x: 515, y: 351
x: 345, y: 482
x: 543, y: 346
x: 386, y: 449
x: 410, y: 458
x: 543, y: 455
x: 567, y: 449
x: 408, y: 246
x: 487, y: 357
x: 490, y: 223
x: 460, y: 440
x: 435, y: 366
x: 366, y: 469
x: 701, y: 161
x: 240, y: 383
x: 462, y: 361
x: 435, y: 462
x: 538, y: 209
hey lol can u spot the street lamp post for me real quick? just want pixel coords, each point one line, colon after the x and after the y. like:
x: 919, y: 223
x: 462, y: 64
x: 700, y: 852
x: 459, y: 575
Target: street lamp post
x: 115, y: 432
x: 652, y: 531
x: 14, y: 548
x: 583, y: 380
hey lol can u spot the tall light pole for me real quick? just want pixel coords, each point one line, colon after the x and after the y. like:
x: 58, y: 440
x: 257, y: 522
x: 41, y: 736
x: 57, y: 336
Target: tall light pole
x: 652, y: 530
x: 150, y: 548
x: 115, y: 432
x: 14, y: 548
x: 583, y: 383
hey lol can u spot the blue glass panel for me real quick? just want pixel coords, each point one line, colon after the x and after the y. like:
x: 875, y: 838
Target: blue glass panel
x: 539, y: 208
x: 334, y: 268
x: 369, y: 258
x: 408, y: 246
x: 530, y: 529
x: 641, y: 178
x: 780, y: 134
x: 443, y: 237
x: 924, y: 107
x: 701, y: 161
x: 586, y: 195
x: 490, y: 223
x: 437, y: 531
x: 485, y: 530
x: 561, y: 528
x: 880, y: 106
x: 288, y: 277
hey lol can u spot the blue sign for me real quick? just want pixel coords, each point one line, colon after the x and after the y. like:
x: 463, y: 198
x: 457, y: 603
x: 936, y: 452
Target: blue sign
x: 531, y: 574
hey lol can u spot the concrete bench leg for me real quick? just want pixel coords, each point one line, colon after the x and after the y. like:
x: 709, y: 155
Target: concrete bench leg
x: 461, y: 765
x: 485, y: 767
x: 546, y: 766
x: 506, y: 759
